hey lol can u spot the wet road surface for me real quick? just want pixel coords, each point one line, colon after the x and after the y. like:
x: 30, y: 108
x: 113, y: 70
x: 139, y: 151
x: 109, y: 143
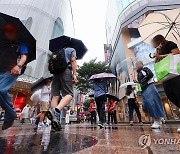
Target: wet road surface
x: 88, y: 139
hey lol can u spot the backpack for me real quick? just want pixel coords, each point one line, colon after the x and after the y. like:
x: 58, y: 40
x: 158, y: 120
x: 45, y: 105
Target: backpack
x: 57, y: 62
x: 9, y: 54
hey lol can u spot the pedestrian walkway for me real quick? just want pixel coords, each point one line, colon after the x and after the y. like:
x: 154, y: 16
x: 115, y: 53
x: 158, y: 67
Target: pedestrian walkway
x: 88, y: 139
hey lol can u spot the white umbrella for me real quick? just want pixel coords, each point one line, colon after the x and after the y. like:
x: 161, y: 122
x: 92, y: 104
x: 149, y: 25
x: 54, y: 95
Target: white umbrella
x: 127, y: 84
x: 166, y: 23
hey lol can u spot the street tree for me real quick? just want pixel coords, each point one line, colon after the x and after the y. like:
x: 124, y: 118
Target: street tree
x: 88, y: 69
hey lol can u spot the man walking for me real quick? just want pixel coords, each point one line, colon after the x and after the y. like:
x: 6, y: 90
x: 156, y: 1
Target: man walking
x: 62, y: 82
x: 13, y: 56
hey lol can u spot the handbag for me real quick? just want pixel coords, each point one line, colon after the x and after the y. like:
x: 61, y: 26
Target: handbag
x: 167, y: 68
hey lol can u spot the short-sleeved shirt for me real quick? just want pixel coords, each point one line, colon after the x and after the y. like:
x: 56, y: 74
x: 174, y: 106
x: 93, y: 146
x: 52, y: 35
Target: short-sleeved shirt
x: 23, y: 49
x: 45, y: 94
x: 100, y: 88
x: 69, y: 53
x: 168, y: 47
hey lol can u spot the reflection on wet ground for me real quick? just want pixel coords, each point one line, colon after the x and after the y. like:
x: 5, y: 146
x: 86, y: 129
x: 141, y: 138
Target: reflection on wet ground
x: 87, y: 138
x: 45, y: 142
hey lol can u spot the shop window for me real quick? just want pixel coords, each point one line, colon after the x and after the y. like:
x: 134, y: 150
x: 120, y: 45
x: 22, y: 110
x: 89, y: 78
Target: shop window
x: 58, y: 29
x: 28, y: 23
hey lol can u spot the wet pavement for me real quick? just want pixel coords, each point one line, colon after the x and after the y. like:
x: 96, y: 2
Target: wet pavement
x: 88, y: 139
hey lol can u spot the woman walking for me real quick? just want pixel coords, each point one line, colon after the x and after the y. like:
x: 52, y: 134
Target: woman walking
x: 150, y: 96
x: 132, y: 104
x: 172, y: 86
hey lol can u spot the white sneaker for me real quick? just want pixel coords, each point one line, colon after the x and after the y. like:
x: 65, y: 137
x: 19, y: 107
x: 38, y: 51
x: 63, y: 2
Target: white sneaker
x: 178, y: 130
x: 131, y: 123
x: 163, y: 121
x: 40, y: 126
x: 156, y: 125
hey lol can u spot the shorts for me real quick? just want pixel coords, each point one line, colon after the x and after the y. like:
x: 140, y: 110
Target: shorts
x: 44, y: 106
x: 62, y: 84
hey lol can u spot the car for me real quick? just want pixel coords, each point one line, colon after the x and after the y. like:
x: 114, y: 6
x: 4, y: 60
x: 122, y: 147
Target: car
x: 73, y: 117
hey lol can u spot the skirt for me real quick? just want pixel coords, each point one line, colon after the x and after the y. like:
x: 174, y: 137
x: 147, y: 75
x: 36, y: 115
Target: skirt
x: 152, y: 102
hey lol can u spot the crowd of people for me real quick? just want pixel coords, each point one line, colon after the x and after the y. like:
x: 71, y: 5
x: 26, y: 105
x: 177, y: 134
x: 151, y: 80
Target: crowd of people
x: 51, y: 103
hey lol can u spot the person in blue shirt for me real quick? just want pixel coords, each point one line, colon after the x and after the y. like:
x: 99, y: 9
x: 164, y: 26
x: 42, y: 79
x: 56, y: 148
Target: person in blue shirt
x: 100, y: 89
x: 13, y: 56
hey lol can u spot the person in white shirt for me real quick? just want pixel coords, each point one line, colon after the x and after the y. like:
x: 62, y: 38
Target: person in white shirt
x: 132, y: 104
x: 44, y: 102
x: 25, y: 113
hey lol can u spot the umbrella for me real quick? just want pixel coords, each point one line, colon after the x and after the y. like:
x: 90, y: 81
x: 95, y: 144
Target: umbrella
x: 63, y: 41
x: 128, y: 84
x: 40, y: 82
x: 102, y: 76
x: 115, y: 98
x: 91, y: 95
x: 166, y: 23
x: 24, y: 35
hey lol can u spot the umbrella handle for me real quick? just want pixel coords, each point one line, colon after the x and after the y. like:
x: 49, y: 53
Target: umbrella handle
x: 151, y: 55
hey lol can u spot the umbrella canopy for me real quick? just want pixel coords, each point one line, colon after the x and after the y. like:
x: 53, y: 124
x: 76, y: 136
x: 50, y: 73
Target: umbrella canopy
x: 40, y: 82
x: 166, y: 23
x: 24, y: 36
x: 64, y: 41
x: 91, y: 95
x: 115, y: 98
x: 102, y: 76
x: 128, y: 84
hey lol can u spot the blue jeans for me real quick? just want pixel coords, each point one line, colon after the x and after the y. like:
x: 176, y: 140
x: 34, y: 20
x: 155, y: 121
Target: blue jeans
x: 152, y: 102
x: 6, y: 82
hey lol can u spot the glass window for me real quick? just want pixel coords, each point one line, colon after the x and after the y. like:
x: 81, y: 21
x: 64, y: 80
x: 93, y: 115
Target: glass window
x: 119, y: 6
x: 28, y: 23
x: 58, y: 29
x: 125, y: 3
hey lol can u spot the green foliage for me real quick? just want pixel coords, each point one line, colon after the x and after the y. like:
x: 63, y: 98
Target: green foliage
x: 88, y: 69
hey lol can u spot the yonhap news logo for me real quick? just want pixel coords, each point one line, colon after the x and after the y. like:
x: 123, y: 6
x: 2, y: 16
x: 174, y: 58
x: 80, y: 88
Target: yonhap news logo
x: 146, y: 140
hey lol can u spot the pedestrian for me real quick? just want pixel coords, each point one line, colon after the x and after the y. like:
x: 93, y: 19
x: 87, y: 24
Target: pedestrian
x: 13, y: 56
x: 63, y: 82
x: 133, y: 105
x: 150, y: 96
x: 25, y: 113
x: 67, y: 116
x: 93, y: 111
x: 100, y: 89
x: 108, y: 106
x: 113, y: 109
x: 44, y: 103
x: 172, y: 86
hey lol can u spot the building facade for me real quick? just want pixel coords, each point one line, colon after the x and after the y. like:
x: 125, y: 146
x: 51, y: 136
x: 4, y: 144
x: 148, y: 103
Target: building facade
x: 45, y: 19
x: 125, y: 46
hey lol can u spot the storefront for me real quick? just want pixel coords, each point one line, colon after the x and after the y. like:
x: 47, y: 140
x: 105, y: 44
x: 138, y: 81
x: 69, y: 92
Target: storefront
x: 125, y: 46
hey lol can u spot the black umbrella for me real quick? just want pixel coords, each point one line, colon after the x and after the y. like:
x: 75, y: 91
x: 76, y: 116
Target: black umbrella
x: 65, y: 41
x: 24, y: 36
x: 115, y: 98
x: 91, y: 95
